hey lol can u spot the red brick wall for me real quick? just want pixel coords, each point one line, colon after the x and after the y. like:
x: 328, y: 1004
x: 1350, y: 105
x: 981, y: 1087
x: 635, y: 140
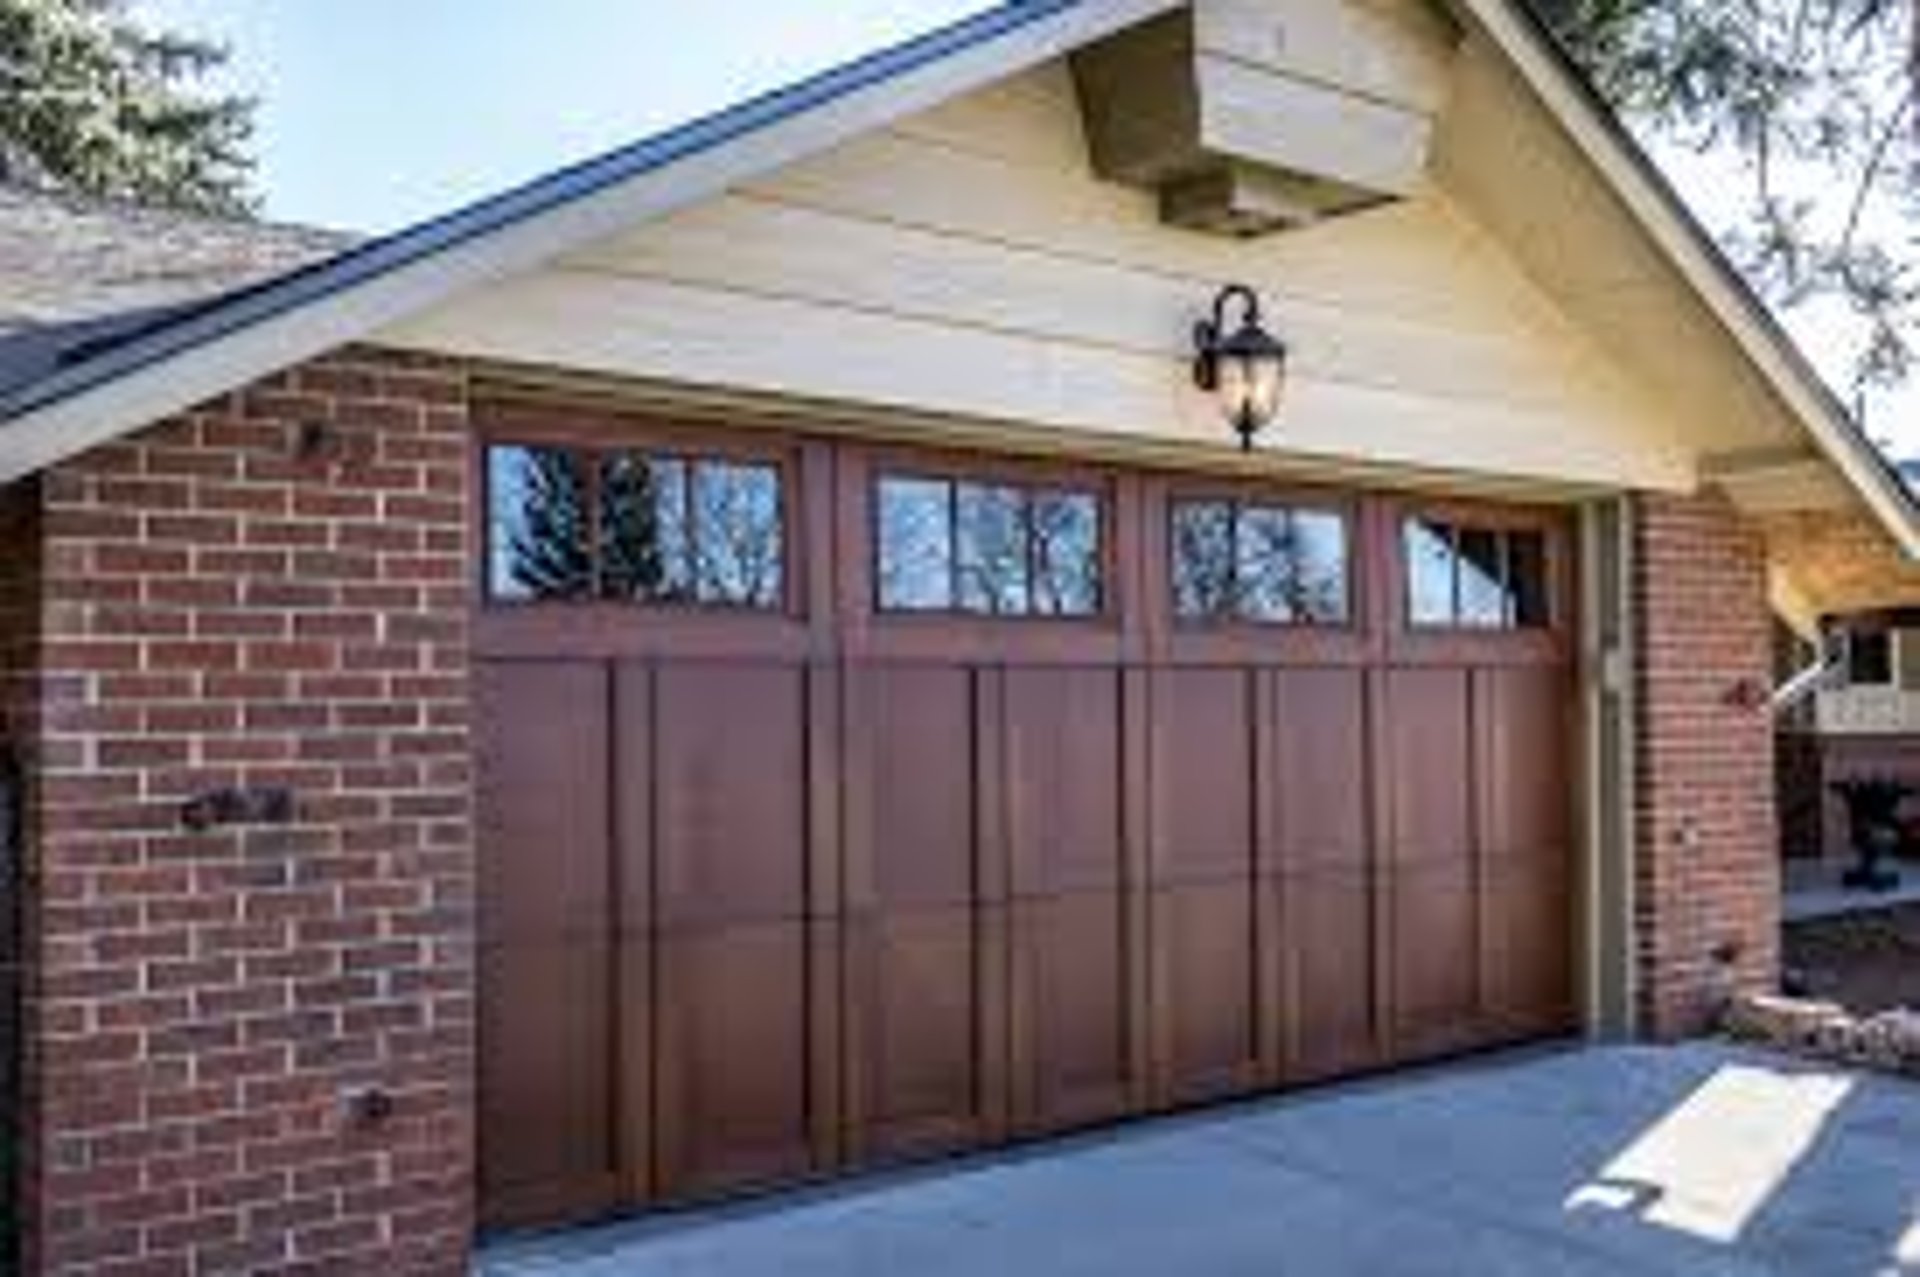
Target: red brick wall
x: 1707, y: 873
x: 225, y: 608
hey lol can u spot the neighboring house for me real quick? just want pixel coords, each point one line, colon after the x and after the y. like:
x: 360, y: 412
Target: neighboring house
x: 1863, y: 723
x: 65, y: 260
x: 751, y: 658
x: 1862, y: 719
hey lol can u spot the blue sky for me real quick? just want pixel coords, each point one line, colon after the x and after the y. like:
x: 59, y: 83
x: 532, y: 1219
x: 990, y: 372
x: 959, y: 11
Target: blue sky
x: 378, y: 113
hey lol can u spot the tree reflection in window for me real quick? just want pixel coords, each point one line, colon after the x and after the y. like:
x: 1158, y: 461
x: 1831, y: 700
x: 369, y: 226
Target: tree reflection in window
x: 1265, y: 566
x: 988, y: 549
x: 644, y: 546
x: 1320, y: 566
x: 1203, y: 558
x: 736, y: 534
x: 537, y: 525
x: 915, y: 538
x: 1066, y: 553
x: 641, y: 527
x: 991, y: 549
x: 1257, y: 562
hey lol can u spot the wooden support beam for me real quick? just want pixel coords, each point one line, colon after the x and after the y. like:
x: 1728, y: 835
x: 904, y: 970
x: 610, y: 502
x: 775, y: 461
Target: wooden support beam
x: 1777, y: 480
x: 1254, y: 117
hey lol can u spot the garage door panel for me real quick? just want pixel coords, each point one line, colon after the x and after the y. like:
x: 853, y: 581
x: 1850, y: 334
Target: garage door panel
x: 541, y: 798
x: 1436, y: 957
x: 1062, y: 763
x: 1205, y: 996
x: 730, y: 756
x: 1329, y: 997
x: 922, y: 998
x: 545, y: 942
x: 1528, y: 915
x: 1075, y: 1054
x: 1203, y: 764
x: 1428, y: 755
x: 1525, y: 788
x: 1525, y: 858
x: 911, y: 786
x: 734, y: 1052
x: 1318, y: 769
x: 548, y: 1123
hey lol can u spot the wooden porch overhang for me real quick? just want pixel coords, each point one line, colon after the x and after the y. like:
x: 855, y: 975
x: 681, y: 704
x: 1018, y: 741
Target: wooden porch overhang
x: 1837, y: 563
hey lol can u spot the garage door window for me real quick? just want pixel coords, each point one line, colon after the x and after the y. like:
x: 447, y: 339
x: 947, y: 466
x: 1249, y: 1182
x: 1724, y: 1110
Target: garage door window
x: 1236, y: 560
x: 634, y: 527
x: 1461, y: 577
x: 987, y: 549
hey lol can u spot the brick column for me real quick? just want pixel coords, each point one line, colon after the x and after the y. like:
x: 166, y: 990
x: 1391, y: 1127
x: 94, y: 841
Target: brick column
x: 268, y: 593
x: 1707, y: 865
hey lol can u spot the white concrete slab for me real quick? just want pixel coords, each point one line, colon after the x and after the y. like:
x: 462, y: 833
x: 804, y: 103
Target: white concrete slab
x: 1640, y: 1160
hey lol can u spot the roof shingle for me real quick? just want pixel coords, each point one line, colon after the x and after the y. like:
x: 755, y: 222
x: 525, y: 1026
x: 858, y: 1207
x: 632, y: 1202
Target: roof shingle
x: 65, y: 259
x: 77, y: 273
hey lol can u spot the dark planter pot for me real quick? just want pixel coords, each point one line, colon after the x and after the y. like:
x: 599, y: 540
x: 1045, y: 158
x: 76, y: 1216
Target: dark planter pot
x: 1873, y: 823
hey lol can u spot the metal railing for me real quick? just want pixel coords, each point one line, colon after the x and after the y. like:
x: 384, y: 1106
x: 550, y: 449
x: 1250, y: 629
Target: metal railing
x: 1866, y: 711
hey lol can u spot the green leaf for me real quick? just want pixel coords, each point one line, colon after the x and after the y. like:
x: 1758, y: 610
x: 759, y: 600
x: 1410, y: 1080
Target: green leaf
x: 94, y: 102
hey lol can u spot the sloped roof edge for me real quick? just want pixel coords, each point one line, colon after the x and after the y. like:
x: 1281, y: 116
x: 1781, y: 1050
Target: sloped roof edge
x: 219, y: 315
x: 38, y: 423
x: 1523, y: 37
x: 189, y: 354
x: 73, y: 258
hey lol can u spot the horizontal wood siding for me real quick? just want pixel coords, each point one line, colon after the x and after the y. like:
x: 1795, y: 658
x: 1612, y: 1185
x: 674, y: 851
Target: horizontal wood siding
x: 1512, y: 169
x: 967, y: 262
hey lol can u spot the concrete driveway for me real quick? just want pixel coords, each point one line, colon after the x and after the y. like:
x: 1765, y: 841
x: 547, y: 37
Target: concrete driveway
x: 1696, y: 1159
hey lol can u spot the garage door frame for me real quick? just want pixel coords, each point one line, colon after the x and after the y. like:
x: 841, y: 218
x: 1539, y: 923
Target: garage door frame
x: 827, y: 631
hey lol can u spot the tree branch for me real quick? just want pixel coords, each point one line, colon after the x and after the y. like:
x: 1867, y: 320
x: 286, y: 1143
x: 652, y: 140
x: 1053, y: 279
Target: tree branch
x: 1876, y: 163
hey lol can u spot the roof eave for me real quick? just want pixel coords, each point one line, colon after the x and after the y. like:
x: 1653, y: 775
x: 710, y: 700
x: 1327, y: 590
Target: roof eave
x: 1565, y: 90
x: 209, y: 349
x: 236, y: 338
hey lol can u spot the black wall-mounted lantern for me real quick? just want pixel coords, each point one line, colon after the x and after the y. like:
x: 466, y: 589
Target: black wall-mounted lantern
x: 1246, y: 367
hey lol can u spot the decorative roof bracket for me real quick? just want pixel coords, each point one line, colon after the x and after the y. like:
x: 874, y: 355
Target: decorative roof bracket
x: 1250, y: 116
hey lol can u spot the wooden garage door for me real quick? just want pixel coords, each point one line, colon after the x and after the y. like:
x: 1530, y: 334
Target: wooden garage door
x: 841, y: 805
